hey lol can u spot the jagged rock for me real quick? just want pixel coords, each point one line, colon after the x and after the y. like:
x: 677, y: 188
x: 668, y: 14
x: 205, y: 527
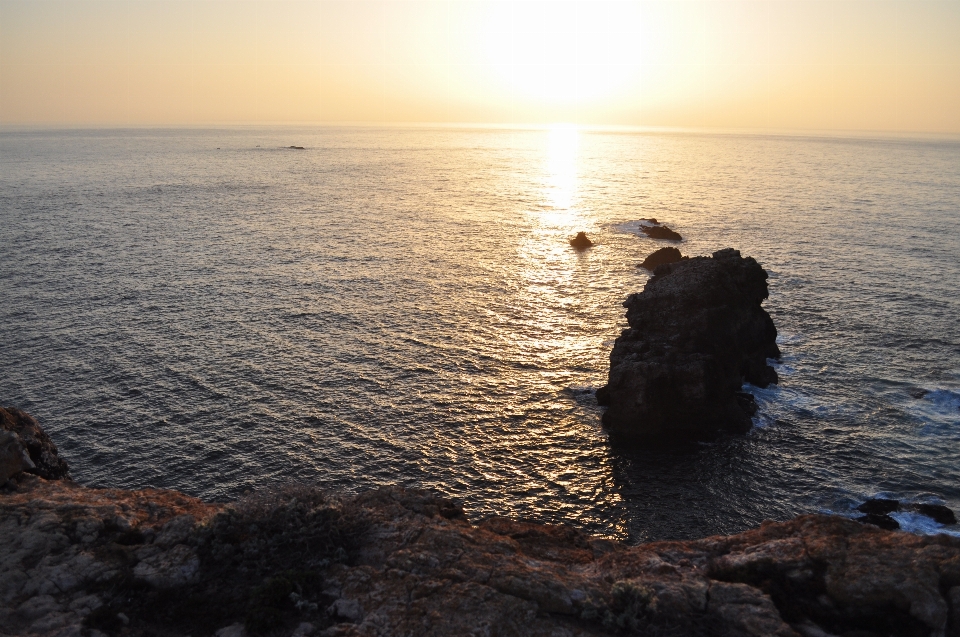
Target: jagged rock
x: 697, y: 332
x: 412, y: 570
x: 661, y: 256
x: 13, y: 457
x: 43, y: 453
x: 414, y: 565
x: 660, y: 231
x: 581, y: 241
x: 651, y: 220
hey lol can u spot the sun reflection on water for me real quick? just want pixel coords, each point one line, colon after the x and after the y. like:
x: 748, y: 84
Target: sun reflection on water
x: 560, y: 180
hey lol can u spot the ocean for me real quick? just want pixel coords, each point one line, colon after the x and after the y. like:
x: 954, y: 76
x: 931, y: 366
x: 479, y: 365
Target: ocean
x: 215, y: 312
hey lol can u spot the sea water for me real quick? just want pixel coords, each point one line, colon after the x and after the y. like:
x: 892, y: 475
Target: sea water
x: 213, y: 311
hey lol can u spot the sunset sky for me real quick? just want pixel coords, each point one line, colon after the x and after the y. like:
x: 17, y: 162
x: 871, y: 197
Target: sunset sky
x: 762, y: 64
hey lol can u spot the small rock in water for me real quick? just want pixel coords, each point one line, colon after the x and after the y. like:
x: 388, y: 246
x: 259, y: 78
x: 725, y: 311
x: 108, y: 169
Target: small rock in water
x: 918, y: 392
x: 937, y: 512
x: 663, y: 255
x: 581, y: 241
x: 883, y: 521
x: 661, y: 232
x: 879, y: 506
x: 296, y: 147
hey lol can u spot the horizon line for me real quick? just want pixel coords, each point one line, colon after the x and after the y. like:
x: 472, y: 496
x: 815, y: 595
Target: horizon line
x: 519, y: 126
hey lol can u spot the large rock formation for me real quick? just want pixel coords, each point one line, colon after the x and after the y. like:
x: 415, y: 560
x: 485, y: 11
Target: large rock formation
x: 697, y: 332
x: 297, y: 562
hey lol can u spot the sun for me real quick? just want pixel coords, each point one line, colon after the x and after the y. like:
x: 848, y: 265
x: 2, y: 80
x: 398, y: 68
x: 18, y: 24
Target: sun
x: 562, y: 53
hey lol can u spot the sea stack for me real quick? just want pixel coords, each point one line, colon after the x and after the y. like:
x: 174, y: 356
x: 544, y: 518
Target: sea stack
x: 697, y: 332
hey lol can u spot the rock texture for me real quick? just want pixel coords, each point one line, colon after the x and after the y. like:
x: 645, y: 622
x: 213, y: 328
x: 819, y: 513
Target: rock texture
x: 661, y: 256
x: 389, y: 562
x: 697, y: 332
x: 43, y: 453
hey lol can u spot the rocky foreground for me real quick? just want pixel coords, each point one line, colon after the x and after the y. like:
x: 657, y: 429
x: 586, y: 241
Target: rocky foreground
x: 76, y: 560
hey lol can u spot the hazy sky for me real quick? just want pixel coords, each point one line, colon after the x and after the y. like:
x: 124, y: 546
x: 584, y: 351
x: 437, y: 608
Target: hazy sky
x: 845, y: 65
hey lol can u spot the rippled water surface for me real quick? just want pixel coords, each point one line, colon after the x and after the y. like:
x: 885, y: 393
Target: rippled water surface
x: 212, y: 312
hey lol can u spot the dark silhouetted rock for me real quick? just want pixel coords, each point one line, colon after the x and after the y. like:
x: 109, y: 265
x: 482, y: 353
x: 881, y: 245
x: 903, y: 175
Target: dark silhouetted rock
x: 937, y: 512
x: 661, y: 256
x: 581, y: 241
x: 295, y: 147
x: 697, y: 331
x: 879, y: 519
x: 660, y: 232
x: 42, y: 451
x: 918, y: 392
x: 651, y: 220
x: 879, y: 506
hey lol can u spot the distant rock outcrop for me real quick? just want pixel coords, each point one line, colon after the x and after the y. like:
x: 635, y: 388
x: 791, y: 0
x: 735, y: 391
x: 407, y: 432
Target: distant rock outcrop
x: 660, y: 232
x: 697, y: 332
x: 581, y: 241
x: 661, y: 256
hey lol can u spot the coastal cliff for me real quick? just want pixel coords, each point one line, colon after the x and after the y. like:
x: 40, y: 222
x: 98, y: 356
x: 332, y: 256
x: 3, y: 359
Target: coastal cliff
x: 296, y: 561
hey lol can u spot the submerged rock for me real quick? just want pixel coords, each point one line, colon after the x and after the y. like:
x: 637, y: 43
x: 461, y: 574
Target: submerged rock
x: 937, y: 512
x: 884, y: 506
x: 43, y: 453
x: 879, y: 506
x: 581, y: 241
x: 697, y: 332
x: 661, y: 256
x: 661, y: 232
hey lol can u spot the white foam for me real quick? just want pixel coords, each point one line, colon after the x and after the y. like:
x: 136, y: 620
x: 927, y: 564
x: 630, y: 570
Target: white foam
x: 938, y: 410
x: 918, y: 524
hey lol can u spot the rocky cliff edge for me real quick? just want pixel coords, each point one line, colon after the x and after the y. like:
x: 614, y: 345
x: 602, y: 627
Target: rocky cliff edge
x: 297, y: 561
